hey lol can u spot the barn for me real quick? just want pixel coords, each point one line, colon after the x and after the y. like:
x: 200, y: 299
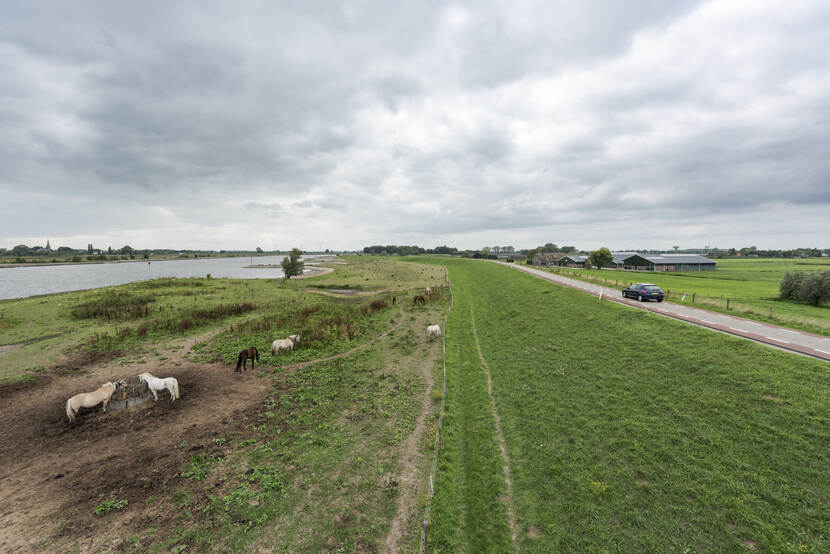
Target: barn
x: 669, y: 262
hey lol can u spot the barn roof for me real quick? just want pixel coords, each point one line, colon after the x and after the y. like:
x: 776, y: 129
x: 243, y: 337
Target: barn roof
x: 662, y: 259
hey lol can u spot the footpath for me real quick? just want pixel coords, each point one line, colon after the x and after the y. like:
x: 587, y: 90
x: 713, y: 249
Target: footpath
x: 800, y: 342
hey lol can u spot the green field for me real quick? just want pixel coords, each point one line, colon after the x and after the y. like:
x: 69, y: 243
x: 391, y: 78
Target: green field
x: 624, y: 431
x: 751, y: 285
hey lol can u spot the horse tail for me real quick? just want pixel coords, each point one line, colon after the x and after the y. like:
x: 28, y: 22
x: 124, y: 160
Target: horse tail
x: 239, y: 361
x: 176, y: 387
x: 70, y: 413
x: 257, y: 353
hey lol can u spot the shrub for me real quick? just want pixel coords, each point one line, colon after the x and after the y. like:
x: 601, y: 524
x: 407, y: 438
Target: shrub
x: 811, y: 287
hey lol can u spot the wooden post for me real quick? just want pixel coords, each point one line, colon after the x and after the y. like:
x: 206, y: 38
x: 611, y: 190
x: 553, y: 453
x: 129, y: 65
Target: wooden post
x: 727, y: 303
x: 770, y: 312
x: 693, y: 298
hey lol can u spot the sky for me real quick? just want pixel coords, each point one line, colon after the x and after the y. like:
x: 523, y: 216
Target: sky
x: 236, y: 125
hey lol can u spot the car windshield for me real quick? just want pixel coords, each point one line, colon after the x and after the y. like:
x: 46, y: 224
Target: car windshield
x: 651, y: 287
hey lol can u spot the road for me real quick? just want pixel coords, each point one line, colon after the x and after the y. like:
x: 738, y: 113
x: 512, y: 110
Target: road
x: 772, y: 335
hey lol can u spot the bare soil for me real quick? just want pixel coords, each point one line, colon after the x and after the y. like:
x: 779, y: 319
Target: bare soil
x: 52, y: 473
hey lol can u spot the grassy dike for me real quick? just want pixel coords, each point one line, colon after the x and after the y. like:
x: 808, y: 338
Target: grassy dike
x: 625, y: 431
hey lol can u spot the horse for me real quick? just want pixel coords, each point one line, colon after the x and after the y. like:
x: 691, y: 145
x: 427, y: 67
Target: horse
x: 154, y: 384
x: 248, y: 354
x: 284, y: 344
x: 433, y: 331
x: 429, y: 291
x: 90, y: 399
x: 420, y: 299
x: 394, y: 300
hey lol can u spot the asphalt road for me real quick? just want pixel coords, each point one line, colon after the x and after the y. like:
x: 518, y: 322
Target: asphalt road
x: 772, y: 335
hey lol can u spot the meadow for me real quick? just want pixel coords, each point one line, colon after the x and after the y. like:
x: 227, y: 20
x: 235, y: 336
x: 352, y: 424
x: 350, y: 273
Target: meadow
x: 325, y: 448
x: 623, y: 431
x: 751, y: 285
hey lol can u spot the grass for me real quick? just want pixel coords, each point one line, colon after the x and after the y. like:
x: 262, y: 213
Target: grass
x: 751, y: 285
x: 108, y: 505
x: 625, y: 431
x: 316, y: 466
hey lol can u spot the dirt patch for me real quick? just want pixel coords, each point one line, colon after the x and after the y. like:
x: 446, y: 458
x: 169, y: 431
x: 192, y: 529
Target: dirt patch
x: 10, y: 347
x: 52, y: 473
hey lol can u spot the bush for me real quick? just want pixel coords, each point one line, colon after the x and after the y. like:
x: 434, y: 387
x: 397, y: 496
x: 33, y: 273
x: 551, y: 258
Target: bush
x: 811, y: 287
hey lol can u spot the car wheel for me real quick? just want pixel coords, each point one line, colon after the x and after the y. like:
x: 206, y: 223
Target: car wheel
x: 640, y: 297
x: 659, y: 299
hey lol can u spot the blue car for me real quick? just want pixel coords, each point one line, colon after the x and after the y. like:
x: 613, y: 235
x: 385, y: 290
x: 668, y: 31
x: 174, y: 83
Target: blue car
x: 643, y: 291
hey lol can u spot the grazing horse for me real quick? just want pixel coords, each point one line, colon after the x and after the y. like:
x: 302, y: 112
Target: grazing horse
x: 420, y: 299
x: 154, y: 384
x: 248, y: 354
x: 90, y: 399
x: 284, y: 344
x: 433, y: 331
x: 394, y: 300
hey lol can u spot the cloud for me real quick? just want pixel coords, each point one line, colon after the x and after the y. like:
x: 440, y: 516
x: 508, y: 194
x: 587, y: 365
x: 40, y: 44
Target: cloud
x: 216, y: 126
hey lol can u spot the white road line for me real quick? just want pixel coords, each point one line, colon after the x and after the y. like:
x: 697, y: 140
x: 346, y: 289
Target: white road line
x: 822, y: 351
x: 709, y: 322
x: 739, y: 330
x: 779, y: 340
x: 788, y: 331
x: 752, y: 323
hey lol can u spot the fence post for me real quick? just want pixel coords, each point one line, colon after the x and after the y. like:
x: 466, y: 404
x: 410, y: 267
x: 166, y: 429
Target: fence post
x: 693, y: 298
x: 727, y: 303
x: 770, y: 312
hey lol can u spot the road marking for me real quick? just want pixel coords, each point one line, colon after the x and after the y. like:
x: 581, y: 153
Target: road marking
x: 779, y: 340
x: 739, y: 330
x: 822, y: 351
x: 752, y: 323
x: 788, y: 331
x: 709, y: 322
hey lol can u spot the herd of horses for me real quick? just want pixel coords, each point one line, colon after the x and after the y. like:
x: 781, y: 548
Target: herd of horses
x: 103, y: 394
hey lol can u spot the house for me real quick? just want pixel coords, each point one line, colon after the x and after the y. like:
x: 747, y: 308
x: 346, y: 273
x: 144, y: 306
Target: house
x: 547, y: 258
x: 669, y: 262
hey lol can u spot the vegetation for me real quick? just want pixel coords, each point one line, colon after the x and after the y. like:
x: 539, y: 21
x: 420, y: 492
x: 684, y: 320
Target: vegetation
x: 601, y: 257
x: 811, y: 287
x: 674, y: 439
x: 291, y: 264
x: 108, y: 505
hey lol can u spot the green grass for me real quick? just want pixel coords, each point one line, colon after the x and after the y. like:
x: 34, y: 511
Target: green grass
x: 751, y: 285
x: 626, y: 431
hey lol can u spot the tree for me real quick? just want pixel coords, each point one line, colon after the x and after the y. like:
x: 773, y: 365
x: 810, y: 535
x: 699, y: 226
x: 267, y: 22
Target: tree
x: 291, y: 264
x: 530, y: 254
x: 258, y: 250
x: 550, y: 247
x: 601, y: 258
x: 568, y: 249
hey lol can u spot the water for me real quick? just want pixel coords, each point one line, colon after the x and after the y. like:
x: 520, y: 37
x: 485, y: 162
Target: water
x: 19, y: 282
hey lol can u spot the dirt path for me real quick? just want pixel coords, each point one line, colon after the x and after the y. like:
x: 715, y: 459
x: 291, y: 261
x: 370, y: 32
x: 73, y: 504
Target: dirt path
x: 511, y: 508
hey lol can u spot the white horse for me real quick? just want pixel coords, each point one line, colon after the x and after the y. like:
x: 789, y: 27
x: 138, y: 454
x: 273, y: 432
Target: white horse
x: 154, y: 384
x: 429, y: 291
x: 284, y: 344
x: 433, y: 331
x: 90, y: 399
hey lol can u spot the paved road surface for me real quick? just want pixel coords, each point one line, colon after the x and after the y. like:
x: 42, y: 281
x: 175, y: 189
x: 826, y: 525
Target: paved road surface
x: 779, y: 337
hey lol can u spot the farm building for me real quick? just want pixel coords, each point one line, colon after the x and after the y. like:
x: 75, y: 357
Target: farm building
x: 547, y: 258
x: 572, y: 260
x: 620, y: 257
x: 669, y: 262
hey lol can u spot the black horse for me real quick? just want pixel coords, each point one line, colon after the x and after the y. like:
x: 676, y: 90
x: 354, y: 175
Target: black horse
x: 248, y: 354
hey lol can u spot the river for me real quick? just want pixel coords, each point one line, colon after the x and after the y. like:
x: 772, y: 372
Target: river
x: 20, y: 282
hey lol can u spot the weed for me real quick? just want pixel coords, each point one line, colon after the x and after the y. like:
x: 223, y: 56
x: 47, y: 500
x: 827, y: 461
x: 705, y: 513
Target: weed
x: 112, y: 503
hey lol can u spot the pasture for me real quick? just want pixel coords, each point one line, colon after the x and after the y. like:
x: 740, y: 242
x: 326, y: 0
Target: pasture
x: 324, y: 447
x: 622, y: 430
x: 750, y: 284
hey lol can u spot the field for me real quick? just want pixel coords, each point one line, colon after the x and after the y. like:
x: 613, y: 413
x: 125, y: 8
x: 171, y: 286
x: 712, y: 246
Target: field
x: 622, y: 431
x: 323, y: 448
x: 570, y: 424
x: 750, y: 284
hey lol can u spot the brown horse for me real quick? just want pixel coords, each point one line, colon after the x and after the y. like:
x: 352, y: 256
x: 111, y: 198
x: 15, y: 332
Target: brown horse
x: 419, y: 298
x: 248, y: 354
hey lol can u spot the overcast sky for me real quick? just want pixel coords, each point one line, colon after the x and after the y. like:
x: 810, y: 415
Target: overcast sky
x: 233, y: 125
